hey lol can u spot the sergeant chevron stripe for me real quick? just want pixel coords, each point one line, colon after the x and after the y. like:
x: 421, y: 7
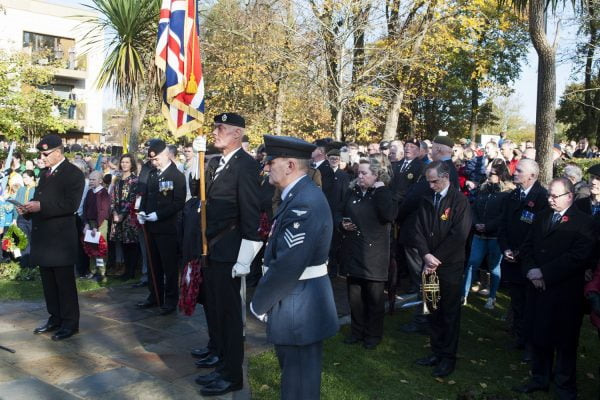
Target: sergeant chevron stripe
x: 293, y: 240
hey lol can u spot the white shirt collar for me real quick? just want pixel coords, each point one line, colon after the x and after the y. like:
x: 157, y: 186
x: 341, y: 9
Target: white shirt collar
x: 444, y: 192
x: 289, y: 187
x: 160, y: 171
x: 526, y: 191
x: 228, y: 156
x: 52, y: 169
x: 318, y: 163
x: 562, y: 213
x: 97, y: 189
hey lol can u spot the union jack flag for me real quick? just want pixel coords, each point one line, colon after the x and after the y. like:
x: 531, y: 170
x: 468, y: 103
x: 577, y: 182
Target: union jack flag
x: 178, y: 57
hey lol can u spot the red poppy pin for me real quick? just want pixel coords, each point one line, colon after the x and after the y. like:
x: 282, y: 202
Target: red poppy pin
x: 564, y: 219
x: 446, y: 214
x: 531, y: 204
x: 45, y: 146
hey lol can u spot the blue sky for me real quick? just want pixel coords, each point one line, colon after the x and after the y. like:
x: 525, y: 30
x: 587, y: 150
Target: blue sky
x: 526, y: 86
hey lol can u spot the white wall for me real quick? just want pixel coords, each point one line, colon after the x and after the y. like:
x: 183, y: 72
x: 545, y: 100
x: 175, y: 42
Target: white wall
x: 50, y: 19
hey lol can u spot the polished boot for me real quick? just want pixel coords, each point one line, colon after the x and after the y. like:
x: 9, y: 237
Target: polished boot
x: 47, y: 327
x: 444, y: 368
x: 429, y: 361
x: 351, y: 339
x: 209, y: 361
x: 207, y: 379
x: 64, y: 334
x: 200, y: 353
x: 219, y: 387
x: 146, y: 304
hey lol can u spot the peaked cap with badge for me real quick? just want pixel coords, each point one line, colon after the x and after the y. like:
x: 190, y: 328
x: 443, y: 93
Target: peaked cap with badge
x: 49, y: 142
x: 232, y: 119
x: 288, y: 147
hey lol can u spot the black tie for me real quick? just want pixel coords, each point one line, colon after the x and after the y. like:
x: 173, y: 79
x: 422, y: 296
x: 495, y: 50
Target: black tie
x: 404, y: 166
x: 436, y: 201
x: 522, y: 195
x: 555, y: 219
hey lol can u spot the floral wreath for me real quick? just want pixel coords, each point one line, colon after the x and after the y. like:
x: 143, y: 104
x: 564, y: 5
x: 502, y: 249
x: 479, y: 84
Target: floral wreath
x: 8, y: 240
x: 95, y: 250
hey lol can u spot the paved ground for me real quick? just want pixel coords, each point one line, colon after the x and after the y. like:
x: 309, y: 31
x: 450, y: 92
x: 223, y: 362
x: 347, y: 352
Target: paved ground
x: 120, y: 353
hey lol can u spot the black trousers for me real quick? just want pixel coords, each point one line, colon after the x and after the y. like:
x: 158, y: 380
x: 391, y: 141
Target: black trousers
x: 414, y: 263
x: 300, y: 371
x: 225, y: 315
x: 131, y: 254
x: 60, y: 292
x: 518, y: 296
x: 333, y: 266
x: 445, y: 321
x: 163, y: 251
x: 367, y: 309
x: 83, y: 261
x: 564, y: 370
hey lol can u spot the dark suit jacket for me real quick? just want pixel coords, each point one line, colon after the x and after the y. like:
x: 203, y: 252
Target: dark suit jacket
x: 341, y: 184
x: 328, y: 183
x: 443, y: 233
x: 299, y: 312
x: 561, y: 252
x: 167, y: 205
x: 232, y: 200
x: 512, y: 231
x: 54, y: 237
x: 401, y: 181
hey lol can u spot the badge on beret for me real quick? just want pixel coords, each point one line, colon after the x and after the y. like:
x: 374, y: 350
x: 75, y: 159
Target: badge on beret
x: 45, y: 146
x: 224, y: 118
x: 152, y: 154
x: 410, y: 176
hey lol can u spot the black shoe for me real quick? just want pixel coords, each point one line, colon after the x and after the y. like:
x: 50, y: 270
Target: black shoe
x: 200, y: 353
x: 145, y: 304
x: 64, y: 334
x: 413, y: 327
x: 209, y: 361
x: 444, y: 368
x: 47, y: 327
x: 526, y: 355
x: 167, y: 310
x: 220, y: 387
x: 530, y: 388
x: 351, y: 339
x: 370, y: 346
x: 139, y: 285
x: 429, y: 361
x: 207, y: 379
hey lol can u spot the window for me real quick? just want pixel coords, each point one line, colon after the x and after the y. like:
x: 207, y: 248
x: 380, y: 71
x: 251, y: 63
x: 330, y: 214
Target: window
x: 45, y: 49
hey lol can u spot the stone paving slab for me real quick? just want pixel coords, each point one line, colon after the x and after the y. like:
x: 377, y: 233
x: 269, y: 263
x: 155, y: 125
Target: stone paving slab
x: 126, y: 313
x: 9, y: 372
x: 163, y: 361
x: 64, y: 368
x: 32, y: 388
x: 149, y: 390
x: 38, y: 347
x: 97, y: 384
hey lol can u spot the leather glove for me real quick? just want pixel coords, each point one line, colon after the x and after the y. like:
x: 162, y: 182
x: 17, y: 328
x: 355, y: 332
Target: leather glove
x: 594, y: 298
x: 152, y: 217
x: 141, y: 217
x: 248, y: 250
x: 199, y: 144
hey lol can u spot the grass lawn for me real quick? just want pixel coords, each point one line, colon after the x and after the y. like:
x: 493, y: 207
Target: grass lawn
x: 486, y: 369
x: 32, y: 290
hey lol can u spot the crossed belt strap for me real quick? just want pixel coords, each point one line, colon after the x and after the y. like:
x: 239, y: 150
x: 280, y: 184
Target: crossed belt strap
x: 310, y: 272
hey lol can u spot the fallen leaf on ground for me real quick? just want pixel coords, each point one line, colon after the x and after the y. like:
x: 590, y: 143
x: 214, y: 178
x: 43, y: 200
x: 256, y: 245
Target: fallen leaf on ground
x: 590, y: 375
x: 403, y: 381
x: 439, y: 380
x: 483, y: 385
x: 451, y: 382
x: 264, y: 387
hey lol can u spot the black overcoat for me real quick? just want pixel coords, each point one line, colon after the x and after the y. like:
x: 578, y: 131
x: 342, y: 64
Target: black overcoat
x: 560, y: 251
x: 54, y: 236
x: 402, y: 181
x: 366, y: 251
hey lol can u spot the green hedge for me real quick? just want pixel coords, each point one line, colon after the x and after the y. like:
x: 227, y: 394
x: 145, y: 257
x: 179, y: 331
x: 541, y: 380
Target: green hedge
x: 12, y: 271
x: 583, y: 163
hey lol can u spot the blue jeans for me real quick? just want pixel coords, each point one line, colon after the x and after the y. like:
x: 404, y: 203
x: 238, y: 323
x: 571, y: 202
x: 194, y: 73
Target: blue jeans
x: 480, y: 247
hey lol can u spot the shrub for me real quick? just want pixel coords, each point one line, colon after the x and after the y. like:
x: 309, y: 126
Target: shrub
x: 12, y: 271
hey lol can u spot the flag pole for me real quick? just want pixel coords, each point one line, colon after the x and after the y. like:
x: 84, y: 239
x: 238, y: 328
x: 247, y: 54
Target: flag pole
x: 202, y: 207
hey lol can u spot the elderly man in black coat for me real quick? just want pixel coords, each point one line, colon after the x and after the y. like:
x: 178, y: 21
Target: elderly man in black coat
x: 521, y: 209
x: 554, y: 258
x: 442, y: 228
x: 54, y: 238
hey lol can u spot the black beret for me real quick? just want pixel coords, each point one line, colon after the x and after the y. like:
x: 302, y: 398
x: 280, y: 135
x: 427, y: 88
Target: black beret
x: 445, y: 140
x: 321, y: 142
x: 413, y: 141
x: 594, y: 170
x: 155, y: 147
x: 49, y: 142
x: 333, y: 152
x: 286, y: 146
x: 232, y: 119
x: 384, y: 145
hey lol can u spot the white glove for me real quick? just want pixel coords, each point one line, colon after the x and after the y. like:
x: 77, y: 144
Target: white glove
x: 248, y: 250
x: 261, y: 317
x: 199, y: 144
x: 152, y: 217
x: 141, y: 217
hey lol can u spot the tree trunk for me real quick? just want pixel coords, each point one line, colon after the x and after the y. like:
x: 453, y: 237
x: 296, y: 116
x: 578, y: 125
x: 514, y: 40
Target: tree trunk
x: 473, y: 125
x: 138, y: 111
x: 590, y: 124
x: 278, y: 129
x: 546, y: 90
x: 391, y: 120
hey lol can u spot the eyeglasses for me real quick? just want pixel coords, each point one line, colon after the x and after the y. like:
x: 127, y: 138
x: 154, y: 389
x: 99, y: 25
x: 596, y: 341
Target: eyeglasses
x: 556, y: 196
x: 47, y: 154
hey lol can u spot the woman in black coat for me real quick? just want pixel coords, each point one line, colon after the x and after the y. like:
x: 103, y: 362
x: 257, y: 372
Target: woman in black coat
x: 366, y: 216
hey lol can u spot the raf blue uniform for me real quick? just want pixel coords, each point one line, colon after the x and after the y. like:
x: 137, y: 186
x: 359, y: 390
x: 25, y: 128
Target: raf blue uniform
x: 301, y: 313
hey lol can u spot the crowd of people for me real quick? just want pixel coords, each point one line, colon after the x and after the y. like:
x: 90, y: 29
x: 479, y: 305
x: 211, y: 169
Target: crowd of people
x: 385, y: 214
